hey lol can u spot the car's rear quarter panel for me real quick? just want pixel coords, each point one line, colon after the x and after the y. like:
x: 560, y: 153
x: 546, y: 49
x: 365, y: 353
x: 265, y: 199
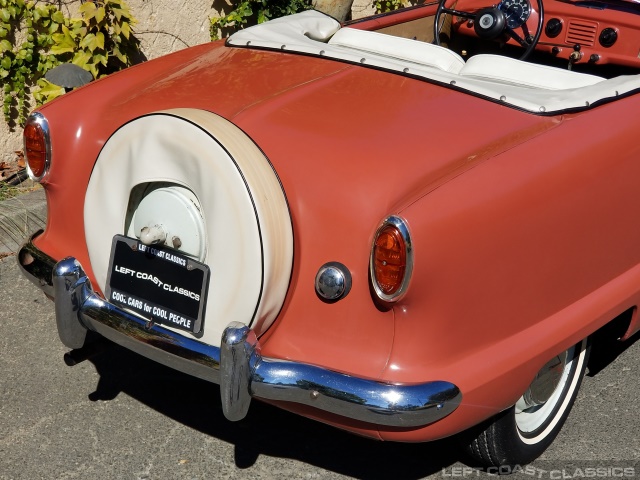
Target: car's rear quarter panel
x: 520, y: 258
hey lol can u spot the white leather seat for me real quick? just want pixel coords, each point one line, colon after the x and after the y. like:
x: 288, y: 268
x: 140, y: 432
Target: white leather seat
x: 397, y: 48
x: 507, y: 70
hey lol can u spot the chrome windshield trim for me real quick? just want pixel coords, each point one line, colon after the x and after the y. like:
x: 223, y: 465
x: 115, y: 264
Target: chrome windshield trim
x: 238, y: 365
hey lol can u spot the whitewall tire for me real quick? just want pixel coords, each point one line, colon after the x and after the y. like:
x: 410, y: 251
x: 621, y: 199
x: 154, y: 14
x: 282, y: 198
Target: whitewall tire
x: 520, y: 434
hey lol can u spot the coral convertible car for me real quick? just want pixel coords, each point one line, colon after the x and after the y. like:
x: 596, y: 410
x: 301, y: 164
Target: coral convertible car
x: 400, y: 226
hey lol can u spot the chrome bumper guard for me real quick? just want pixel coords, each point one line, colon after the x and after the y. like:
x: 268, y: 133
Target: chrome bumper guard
x: 237, y: 366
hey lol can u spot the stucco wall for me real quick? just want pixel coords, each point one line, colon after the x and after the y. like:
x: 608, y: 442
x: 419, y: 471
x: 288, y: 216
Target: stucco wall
x: 164, y: 26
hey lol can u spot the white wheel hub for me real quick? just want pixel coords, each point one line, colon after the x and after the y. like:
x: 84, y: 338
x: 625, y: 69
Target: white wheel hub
x: 170, y: 216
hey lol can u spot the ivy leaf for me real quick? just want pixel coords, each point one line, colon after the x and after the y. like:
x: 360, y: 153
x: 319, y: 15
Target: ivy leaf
x: 47, y: 92
x: 5, y: 15
x: 78, y: 28
x: 58, y: 16
x: 81, y: 58
x: 100, y: 13
x: 93, y: 69
x: 67, y: 32
x: 48, y: 65
x: 6, y: 63
x: 41, y: 12
x: 100, y: 58
x: 63, y: 42
x: 126, y: 13
x: 125, y: 29
x: 89, y: 42
x: 119, y: 55
x: 5, y: 45
x: 100, y: 40
x: 88, y: 11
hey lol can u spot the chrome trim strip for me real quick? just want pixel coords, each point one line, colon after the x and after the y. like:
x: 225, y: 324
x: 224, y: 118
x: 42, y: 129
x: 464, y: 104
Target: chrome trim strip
x: 238, y: 365
x: 401, y: 224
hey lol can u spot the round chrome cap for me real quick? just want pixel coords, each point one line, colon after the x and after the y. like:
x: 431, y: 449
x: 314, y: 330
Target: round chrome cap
x: 333, y: 281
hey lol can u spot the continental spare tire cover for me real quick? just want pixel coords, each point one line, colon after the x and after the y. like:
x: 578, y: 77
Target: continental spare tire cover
x: 238, y: 200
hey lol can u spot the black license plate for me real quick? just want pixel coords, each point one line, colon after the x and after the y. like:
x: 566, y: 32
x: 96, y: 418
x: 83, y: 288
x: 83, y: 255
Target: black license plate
x: 158, y: 283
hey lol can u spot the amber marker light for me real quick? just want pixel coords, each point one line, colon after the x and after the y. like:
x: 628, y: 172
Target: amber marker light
x: 391, y: 260
x: 37, y: 148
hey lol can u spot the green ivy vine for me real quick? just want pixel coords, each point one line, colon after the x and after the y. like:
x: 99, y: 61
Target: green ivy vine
x: 36, y: 37
x: 251, y: 12
x: 383, y: 6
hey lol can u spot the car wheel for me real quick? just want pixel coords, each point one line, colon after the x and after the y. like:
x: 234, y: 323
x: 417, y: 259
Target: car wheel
x: 521, y: 433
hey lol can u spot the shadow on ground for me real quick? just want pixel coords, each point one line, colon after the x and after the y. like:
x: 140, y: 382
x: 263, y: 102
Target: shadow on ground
x: 276, y: 433
x: 605, y: 346
x: 266, y: 430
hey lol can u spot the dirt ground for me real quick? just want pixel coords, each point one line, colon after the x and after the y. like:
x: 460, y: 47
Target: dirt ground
x: 10, y: 168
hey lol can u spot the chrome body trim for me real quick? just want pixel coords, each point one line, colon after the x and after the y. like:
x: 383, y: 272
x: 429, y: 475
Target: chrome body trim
x: 403, y: 228
x: 39, y: 119
x: 237, y: 365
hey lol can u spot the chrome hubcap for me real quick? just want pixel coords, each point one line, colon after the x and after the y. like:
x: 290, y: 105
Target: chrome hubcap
x: 534, y: 408
x: 544, y: 384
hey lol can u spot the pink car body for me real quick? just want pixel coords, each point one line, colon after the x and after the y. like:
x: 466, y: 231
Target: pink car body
x: 521, y: 233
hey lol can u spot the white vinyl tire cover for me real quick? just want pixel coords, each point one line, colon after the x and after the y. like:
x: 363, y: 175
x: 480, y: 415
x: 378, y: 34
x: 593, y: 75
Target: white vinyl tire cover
x: 249, y: 237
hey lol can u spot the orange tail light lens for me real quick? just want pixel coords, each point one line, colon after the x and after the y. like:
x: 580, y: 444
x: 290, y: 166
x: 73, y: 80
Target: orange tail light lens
x: 36, y: 146
x: 391, y: 259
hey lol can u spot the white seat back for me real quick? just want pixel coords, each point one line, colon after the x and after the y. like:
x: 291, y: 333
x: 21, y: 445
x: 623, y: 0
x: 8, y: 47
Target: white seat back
x: 517, y: 72
x: 398, y: 48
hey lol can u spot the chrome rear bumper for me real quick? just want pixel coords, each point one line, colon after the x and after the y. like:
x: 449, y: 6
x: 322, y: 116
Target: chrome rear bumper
x: 237, y: 365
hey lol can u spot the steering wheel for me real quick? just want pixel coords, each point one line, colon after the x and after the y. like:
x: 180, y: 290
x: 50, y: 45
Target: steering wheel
x: 491, y: 22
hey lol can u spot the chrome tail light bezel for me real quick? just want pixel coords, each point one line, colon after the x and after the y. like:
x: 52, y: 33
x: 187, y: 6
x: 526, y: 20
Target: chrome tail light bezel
x: 40, y: 120
x: 401, y: 225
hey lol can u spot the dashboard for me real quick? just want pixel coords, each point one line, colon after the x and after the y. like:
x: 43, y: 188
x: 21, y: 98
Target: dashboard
x: 581, y: 32
x: 516, y: 12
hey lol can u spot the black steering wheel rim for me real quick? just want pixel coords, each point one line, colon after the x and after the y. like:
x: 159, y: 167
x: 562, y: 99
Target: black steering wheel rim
x: 529, y: 47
